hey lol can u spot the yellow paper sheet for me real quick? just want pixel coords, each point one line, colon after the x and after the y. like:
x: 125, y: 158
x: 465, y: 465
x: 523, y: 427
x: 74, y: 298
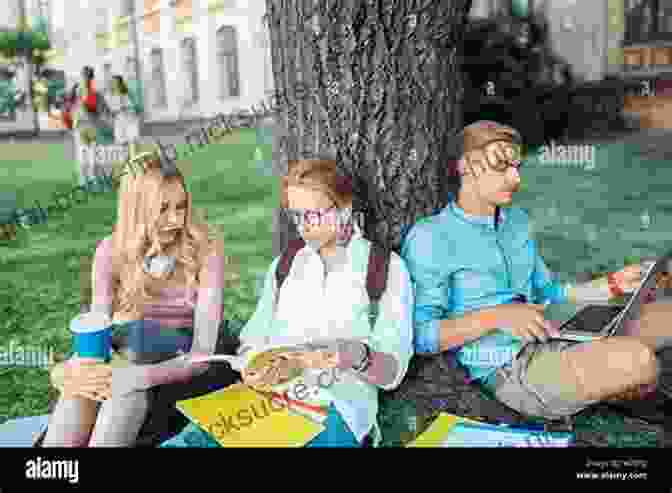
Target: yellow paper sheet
x: 237, y: 416
x: 439, y: 430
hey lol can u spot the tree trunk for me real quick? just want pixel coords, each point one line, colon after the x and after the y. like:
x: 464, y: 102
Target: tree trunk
x: 377, y: 86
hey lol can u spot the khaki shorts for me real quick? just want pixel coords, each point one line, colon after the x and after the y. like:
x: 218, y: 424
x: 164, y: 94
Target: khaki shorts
x: 535, y: 389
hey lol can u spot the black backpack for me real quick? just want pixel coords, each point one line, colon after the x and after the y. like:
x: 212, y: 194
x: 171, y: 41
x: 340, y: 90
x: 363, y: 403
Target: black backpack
x: 376, y: 275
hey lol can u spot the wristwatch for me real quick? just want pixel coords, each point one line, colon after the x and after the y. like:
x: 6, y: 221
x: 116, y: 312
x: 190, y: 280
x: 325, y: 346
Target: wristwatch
x: 365, y: 362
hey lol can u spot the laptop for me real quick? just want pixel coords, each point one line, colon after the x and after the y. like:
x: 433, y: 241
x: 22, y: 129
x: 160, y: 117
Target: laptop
x: 599, y: 321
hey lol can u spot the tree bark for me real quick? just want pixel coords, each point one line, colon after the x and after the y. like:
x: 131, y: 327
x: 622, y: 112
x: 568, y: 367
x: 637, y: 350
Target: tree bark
x: 375, y: 85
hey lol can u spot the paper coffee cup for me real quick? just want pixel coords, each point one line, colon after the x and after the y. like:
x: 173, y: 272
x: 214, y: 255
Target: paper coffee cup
x: 92, y: 336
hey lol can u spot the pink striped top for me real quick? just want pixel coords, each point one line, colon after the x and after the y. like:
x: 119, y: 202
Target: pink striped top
x: 171, y: 310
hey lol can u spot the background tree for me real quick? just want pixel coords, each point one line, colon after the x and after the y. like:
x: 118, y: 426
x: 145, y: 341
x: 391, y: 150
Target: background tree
x: 509, y: 65
x: 376, y: 85
x: 26, y: 47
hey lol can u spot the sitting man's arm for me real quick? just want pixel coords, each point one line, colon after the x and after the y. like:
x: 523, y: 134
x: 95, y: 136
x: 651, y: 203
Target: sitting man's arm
x: 434, y: 331
x: 545, y: 286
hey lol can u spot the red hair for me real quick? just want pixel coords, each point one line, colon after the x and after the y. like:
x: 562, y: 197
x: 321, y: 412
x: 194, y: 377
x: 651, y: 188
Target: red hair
x: 318, y: 174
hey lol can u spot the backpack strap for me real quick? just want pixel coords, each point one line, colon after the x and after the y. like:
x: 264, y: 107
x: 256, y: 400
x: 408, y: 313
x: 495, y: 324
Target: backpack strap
x: 285, y: 263
x: 376, y: 279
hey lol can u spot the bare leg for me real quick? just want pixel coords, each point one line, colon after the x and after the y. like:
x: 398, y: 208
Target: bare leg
x: 120, y: 420
x: 654, y: 327
x: 595, y: 371
x: 71, y: 423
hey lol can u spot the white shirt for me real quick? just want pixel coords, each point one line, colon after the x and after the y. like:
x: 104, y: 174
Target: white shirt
x: 315, y: 304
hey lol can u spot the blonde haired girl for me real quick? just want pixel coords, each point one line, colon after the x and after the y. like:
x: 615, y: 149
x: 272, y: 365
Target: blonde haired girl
x: 162, y: 270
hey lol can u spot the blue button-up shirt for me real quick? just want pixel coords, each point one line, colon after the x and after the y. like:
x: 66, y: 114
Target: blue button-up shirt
x: 461, y: 263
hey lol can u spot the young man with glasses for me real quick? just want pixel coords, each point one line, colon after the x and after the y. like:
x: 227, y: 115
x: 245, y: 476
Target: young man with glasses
x: 481, y: 287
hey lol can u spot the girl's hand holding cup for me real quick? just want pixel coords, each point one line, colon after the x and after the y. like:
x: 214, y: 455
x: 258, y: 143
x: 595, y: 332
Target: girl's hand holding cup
x: 83, y: 377
x: 87, y: 374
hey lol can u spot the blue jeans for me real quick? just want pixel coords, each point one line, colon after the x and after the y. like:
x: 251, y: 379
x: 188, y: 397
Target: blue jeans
x: 337, y: 435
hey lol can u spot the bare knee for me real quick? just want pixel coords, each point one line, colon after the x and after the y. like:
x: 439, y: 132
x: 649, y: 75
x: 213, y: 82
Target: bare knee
x: 637, y: 361
x: 656, y: 313
x: 120, y: 420
x: 71, y: 423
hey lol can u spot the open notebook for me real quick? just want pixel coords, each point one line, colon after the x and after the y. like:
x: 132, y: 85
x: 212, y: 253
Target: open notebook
x: 453, y: 431
x: 238, y: 416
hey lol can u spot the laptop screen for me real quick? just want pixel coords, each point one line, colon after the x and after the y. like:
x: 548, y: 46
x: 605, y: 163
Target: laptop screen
x: 594, y: 318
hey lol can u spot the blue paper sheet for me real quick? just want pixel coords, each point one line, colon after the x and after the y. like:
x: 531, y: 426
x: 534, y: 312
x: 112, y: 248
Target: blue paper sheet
x: 485, y: 435
x: 22, y: 432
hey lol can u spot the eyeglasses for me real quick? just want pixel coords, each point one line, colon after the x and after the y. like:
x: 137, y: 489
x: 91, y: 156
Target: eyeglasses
x: 480, y: 158
x: 502, y: 166
x: 313, y: 217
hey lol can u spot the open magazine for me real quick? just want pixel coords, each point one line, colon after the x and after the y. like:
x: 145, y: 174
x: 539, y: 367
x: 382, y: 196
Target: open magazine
x: 257, y: 356
x: 300, y: 391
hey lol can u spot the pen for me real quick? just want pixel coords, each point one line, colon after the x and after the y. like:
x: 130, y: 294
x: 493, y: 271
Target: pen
x: 308, y: 407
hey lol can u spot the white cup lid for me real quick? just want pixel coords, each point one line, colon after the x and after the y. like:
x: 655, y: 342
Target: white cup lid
x: 90, y: 322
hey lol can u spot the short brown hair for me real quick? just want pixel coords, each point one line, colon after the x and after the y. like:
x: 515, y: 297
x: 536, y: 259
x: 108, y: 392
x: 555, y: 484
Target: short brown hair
x: 483, y: 132
x: 318, y: 174
x: 478, y: 135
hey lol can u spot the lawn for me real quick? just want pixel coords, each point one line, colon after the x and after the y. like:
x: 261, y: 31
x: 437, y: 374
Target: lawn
x: 41, y: 272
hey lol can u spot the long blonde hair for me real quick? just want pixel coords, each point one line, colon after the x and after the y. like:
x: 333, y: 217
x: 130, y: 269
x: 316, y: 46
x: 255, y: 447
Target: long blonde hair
x: 135, y: 237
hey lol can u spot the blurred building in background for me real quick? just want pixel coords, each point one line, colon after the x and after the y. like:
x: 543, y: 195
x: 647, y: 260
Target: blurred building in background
x: 183, y: 59
x: 624, y: 40
x: 190, y: 59
x: 35, y: 12
x: 186, y: 59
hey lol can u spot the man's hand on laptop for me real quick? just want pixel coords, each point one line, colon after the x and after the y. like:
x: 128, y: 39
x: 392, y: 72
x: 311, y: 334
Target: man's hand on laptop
x: 527, y: 321
x: 631, y: 276
x: 616, y: 284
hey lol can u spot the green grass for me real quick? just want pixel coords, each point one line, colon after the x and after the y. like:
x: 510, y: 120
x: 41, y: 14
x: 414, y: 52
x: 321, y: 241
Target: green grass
x: 41, y: 273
